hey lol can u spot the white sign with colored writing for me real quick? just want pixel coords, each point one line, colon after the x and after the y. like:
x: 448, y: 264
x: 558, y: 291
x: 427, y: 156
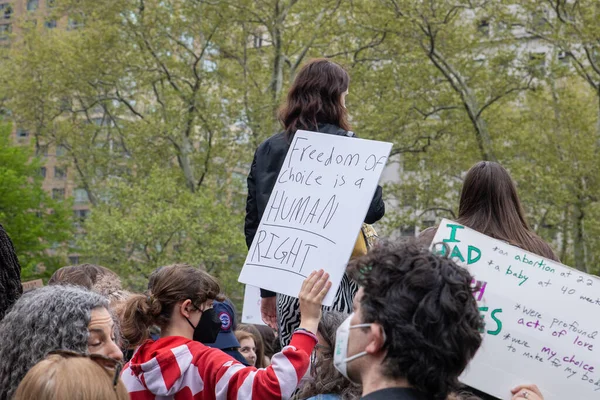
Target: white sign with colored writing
x: 315, y: 211
x: 541, y: 318
x: 251, y: 310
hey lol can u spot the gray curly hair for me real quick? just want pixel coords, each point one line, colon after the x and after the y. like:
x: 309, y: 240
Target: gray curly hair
x: 45, y: 319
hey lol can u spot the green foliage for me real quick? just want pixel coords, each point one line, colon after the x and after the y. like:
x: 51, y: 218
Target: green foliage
x: 37, y: 225
x: 161, y: 104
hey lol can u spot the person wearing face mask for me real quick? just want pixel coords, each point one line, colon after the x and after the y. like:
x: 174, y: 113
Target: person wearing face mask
x: 315, y: 102
x: 415, y: 325
x: 179, y: 366
x: 326, y: 383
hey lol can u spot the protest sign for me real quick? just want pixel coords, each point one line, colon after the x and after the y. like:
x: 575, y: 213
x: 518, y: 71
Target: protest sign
x: 315, y: 211
x: 540, y: 318
x: 251, y: 308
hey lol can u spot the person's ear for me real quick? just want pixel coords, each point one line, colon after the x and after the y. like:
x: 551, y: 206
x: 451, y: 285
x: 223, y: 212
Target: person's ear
x: 186, y: 308
x: 377, y: 339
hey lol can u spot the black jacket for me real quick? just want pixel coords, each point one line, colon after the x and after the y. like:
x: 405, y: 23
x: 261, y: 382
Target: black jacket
x: 264, y: 171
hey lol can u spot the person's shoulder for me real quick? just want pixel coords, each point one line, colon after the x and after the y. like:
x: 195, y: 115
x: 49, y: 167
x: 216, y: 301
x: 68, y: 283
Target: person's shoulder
x: 334, y: 130
x: 426, y: 236
x: 274, y: 143
x: 325, y: 397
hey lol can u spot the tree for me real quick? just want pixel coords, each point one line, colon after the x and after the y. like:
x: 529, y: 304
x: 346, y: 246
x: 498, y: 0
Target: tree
x: 571, y: 30
x: 38, y: 225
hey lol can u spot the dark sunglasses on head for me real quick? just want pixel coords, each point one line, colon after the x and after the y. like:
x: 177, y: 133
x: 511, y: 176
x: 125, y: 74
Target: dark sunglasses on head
x: 103, y: 361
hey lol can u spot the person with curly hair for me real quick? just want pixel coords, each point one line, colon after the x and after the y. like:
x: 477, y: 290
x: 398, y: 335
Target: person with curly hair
x: 52, y: 318
x: 10, y: 274
x: 326, y: 382
x: 415, y: 325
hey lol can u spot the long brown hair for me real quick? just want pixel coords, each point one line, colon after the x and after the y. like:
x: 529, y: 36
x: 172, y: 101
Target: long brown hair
x: 489, y: 204
x: 242, y: 330
x: 316, y: 97
x: 167, y: 286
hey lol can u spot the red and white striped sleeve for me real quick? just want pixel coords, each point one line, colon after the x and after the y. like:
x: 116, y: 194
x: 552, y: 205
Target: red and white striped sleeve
x: 278, y: 381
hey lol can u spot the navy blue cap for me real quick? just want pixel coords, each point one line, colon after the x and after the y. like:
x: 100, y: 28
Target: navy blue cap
x: 237, y: 356
x: 226, y: 338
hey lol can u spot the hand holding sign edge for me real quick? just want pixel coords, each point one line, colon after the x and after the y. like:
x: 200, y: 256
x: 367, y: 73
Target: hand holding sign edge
x: 313, y: 291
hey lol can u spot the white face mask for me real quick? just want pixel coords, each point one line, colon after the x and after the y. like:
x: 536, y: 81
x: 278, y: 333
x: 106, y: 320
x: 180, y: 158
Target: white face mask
x: 340, y: 354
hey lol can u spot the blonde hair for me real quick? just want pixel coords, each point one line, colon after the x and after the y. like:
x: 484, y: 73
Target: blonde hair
x: 58, y: 377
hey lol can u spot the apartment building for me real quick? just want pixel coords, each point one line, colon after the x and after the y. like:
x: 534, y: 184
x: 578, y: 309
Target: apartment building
x: 59, y: 179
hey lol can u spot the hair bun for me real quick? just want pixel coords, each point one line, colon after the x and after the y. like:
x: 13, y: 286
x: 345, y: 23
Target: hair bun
x: 154, y: 305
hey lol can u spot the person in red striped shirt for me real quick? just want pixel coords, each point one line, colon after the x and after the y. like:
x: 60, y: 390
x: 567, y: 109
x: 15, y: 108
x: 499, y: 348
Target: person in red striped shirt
x: 180, y: 368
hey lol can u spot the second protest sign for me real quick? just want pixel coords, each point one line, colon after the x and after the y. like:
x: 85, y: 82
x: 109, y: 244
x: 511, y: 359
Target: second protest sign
x: 540, y: 318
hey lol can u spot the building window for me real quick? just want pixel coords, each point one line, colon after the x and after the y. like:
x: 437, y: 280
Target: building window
x: 407, y: 231
x: 408, y: 198
x: 58, y: 194
x: 43, y: 172
x: 81, y: 196
x: 42, y: 151
x: 60, y: 150
x: 59, y: 173
x: 22, y: 133
x: 33, y: 5
x: 427, y: 224
x: 5, y: 31
x: 537, y: 64
x: 50, y: 24
x: 484, y: 27
x: 258, y: 41
x: 74, y: 23
x: 50, y: 3
x: 73, y: 260
x: 81, y: 215
x: 6, y: 11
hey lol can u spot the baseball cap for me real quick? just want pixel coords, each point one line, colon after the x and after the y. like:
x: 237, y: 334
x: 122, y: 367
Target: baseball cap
x: 226, y: 338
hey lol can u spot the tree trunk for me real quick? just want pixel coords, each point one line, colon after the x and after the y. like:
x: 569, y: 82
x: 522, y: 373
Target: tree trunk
x: 579, y: 247
x: 185, y: 163
x: 564, y: 240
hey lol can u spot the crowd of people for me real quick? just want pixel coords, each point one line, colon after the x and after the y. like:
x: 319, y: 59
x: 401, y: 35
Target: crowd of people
x: 404, y: 325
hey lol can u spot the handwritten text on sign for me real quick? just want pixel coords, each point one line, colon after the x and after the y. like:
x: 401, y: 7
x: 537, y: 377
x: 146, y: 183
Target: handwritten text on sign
x: 315, y: 211
x: 540, y: 318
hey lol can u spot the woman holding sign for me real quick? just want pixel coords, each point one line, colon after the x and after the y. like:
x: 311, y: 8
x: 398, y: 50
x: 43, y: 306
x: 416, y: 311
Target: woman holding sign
x: 315, y: 102
x: 179, y: 366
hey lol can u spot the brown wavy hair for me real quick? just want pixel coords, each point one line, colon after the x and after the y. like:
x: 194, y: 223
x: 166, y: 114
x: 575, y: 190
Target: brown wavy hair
x: 489, y: 204
x: 316, y: 97
x: 167, y: 286
x: 327, y: 379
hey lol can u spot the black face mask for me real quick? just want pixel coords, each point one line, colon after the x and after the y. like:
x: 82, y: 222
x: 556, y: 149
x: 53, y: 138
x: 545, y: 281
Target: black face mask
x: 208, y: 327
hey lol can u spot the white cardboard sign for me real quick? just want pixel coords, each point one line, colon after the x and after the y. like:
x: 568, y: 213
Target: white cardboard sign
x: 251, y: 310
x: 541, y: 323
x: 315, y: 211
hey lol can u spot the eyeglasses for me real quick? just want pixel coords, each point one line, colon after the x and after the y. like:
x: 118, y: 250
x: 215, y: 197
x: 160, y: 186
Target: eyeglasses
x: 103, y: 361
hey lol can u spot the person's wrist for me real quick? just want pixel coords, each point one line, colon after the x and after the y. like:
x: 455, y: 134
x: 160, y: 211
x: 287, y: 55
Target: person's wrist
x: 310, y: 324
